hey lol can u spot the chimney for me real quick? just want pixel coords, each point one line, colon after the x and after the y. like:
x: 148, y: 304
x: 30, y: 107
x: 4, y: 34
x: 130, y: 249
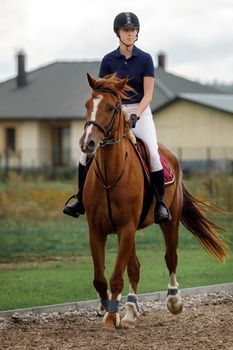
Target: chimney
x: 161, y: 60
x: 21, y: 79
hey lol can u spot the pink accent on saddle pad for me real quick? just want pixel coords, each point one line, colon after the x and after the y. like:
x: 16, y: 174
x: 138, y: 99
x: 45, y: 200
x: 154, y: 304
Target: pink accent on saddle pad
x: 141, y: 150
x: 168, y: 174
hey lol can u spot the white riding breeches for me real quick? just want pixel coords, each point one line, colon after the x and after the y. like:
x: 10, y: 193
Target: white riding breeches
x: 145, y: 130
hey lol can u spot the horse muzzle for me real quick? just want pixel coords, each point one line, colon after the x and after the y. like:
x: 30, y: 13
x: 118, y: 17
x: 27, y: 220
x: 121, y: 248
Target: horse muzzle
x: 88, y: 145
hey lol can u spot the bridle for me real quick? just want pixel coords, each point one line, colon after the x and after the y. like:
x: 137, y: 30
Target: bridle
x: 108, y: 131
x: 108, y: 140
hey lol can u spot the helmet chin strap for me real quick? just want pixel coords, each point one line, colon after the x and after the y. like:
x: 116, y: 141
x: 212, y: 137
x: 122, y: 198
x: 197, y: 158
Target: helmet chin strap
x: 126, y: 45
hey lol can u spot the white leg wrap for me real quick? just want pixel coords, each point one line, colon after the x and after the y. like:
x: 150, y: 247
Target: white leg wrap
x: 173, y: 300
x: 101, y: 311
x: 132, y: 311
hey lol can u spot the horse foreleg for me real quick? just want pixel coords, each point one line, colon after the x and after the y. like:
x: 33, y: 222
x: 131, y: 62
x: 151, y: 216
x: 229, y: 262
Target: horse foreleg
x: 170, y: 232
x: 125, y: 246
x: 97, y: 244
x: 132, y: 309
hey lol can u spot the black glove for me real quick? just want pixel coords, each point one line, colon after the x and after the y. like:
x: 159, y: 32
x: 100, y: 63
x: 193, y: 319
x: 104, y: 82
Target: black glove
x: 133, y: 120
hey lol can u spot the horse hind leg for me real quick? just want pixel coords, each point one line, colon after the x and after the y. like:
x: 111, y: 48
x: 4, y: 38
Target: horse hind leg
x: 132, y: 309
x: 174, y: 300
x: 170, y: 233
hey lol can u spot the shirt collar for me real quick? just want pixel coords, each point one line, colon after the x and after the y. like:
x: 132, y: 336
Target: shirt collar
x: 135, y: 52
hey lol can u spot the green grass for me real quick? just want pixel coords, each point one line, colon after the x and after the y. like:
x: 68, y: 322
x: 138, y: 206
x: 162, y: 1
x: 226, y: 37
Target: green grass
x: 68, y: 281
x: 33, y: 281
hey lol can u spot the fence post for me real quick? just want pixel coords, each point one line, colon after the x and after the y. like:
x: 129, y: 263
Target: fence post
x: 208, y: 160
x: 53, y: 173
x: 180, y: 155
x: 19, y: 162
x: 6, y: 165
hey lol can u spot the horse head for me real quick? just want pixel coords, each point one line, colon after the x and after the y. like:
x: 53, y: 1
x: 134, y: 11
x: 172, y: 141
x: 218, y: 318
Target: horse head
x: 102, y: 111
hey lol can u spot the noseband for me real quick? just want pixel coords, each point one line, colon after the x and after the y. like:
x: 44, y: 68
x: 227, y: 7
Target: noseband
x: 109, y: 129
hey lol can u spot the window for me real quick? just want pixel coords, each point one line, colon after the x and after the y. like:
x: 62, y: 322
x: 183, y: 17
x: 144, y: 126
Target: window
x: 10, y: 139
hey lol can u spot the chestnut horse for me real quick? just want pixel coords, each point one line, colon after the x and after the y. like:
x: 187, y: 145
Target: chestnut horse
x: 113, y: 199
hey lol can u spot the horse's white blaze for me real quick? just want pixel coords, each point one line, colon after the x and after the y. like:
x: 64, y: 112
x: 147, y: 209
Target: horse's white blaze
x: 96, y: 102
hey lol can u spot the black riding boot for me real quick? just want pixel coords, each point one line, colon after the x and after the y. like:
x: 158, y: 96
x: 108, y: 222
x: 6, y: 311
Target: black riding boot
x: 161, y: 213
x: 75, y: 209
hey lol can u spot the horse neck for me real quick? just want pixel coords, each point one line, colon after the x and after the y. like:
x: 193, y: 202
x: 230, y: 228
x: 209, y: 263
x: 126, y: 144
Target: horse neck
x: 111, y: 158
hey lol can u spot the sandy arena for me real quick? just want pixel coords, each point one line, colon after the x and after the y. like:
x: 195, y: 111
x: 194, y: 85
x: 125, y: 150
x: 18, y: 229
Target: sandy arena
x: 206, y: 323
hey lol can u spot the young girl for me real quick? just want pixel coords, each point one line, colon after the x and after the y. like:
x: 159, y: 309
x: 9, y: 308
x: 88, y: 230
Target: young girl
x: 129, y: 61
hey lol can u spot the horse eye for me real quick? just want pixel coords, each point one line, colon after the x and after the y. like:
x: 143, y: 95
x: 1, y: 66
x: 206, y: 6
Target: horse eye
x: 110, y: 108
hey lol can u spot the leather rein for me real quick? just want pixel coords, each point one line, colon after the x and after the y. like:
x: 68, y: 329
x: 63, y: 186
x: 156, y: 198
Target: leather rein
x: 108, y: 140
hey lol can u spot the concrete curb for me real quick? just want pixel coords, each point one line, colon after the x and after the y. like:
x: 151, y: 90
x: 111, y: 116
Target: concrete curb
x: 89, y: 304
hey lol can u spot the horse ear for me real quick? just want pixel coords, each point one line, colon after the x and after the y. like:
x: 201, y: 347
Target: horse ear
x: 121, y: 84
x: 91, y: 81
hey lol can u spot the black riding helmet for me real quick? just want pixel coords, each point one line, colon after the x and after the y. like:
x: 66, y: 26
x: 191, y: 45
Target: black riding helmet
x: 126, y: 20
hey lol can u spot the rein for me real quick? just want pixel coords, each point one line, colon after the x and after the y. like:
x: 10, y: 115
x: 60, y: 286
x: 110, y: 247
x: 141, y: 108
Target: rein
x: 108, y: 187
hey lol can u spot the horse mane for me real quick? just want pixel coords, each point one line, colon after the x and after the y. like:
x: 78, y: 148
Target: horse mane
x: 110, y: 82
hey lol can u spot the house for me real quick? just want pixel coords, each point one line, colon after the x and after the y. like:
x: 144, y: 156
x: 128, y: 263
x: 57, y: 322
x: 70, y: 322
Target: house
x: 194, y: 121
x: 42, y: 115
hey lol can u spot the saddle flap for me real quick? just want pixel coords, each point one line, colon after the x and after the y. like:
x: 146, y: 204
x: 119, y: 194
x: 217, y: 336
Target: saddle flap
x: 143, y: 155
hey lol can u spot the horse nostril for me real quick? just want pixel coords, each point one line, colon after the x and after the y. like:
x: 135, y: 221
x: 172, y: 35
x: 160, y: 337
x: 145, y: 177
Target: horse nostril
x: 91, y: 144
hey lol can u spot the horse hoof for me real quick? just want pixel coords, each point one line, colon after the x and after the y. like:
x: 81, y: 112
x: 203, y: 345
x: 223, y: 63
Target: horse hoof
x: 175, y: 306
x: 174, y: 311
x: 174, y: 301
x: 108, y: 330
x: 128, y: 324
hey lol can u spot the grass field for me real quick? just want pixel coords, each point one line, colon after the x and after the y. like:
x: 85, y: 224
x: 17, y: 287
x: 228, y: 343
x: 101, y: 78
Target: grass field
x: 45, y: 258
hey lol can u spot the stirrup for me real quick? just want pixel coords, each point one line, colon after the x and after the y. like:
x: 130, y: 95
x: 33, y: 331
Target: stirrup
x: 162, y: 219
x: 74, y: 196
x: 75, y: 209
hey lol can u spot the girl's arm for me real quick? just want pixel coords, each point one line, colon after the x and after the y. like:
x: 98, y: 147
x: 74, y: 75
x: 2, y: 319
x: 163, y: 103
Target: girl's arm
x: 148, y: 83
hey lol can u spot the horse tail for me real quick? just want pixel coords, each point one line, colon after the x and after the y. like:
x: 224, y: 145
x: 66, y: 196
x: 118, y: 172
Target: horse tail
x: 204, y: 230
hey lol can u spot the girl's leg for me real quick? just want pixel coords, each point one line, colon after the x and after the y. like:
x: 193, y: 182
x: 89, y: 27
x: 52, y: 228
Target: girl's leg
x: 145, y: 130
x: 75, y: 209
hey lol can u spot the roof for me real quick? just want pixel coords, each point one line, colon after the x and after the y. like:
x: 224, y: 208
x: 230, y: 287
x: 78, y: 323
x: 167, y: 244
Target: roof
x: 56, y: 91
x: 168, y: 86
x: 59, y: 91
x: 223, y: 102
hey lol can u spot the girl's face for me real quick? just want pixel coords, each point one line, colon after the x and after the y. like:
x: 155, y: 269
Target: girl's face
x: 128, y: 35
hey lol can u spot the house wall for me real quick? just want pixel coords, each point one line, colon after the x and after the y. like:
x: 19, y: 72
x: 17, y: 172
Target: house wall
x: 189, y: 130
x: 195, y: 132
x: 29, y: 141
x: 44, y: 144
x: 76, y: 132
x: 32, y: 144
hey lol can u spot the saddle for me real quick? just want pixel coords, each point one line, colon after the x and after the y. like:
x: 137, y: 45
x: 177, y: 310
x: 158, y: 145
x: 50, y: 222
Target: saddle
x: 142, y: 153
x: 169, y: 177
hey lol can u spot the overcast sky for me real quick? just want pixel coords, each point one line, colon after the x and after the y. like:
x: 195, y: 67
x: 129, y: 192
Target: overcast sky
x: 196, y: 35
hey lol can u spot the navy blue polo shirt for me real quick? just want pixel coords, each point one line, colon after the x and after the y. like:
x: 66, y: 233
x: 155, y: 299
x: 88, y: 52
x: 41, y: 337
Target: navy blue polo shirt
x: 138, y: 66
